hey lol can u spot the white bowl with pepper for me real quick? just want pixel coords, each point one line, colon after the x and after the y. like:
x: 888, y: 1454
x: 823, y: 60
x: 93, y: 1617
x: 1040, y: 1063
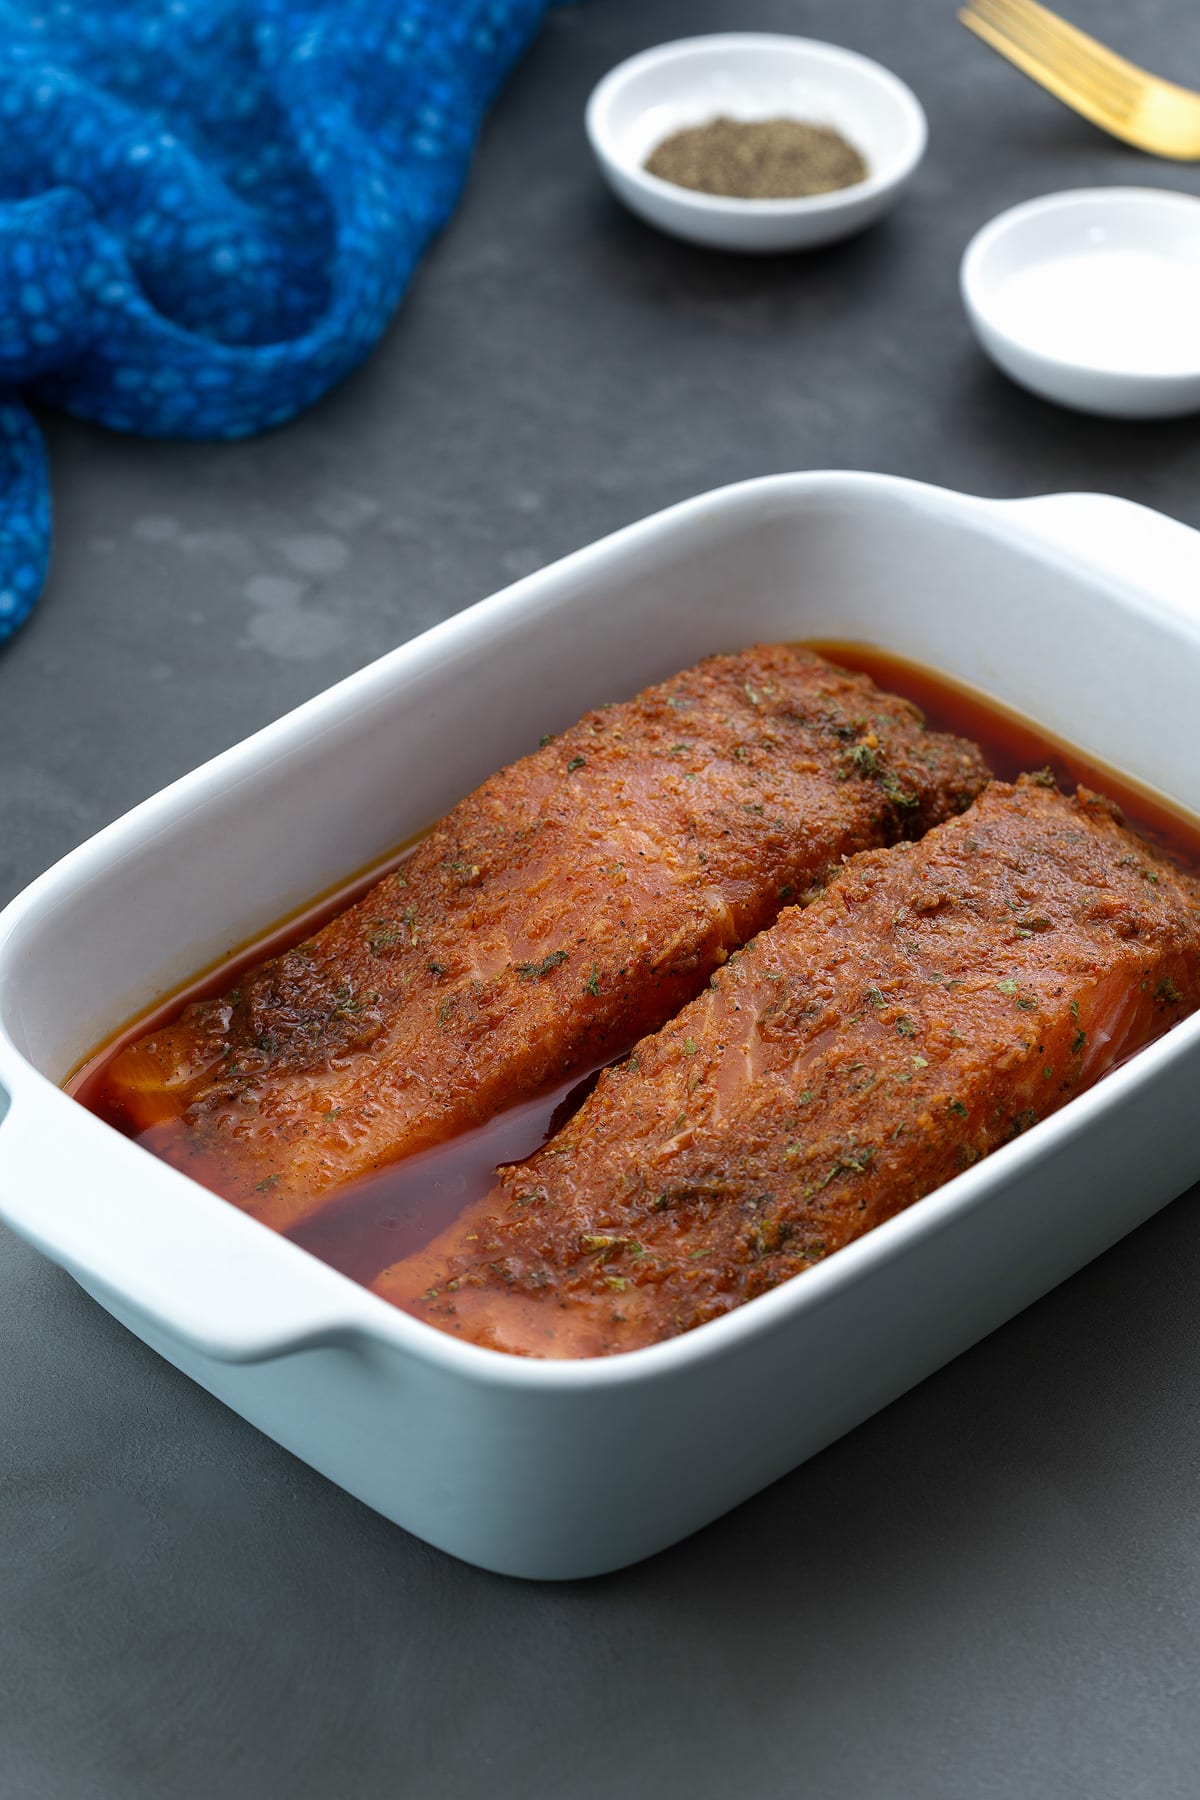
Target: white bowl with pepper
x: 754, y: 141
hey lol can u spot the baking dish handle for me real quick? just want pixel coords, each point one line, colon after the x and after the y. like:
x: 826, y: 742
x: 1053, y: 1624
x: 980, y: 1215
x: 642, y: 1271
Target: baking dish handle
x: 1147, y: 549
x: 162, y: 1253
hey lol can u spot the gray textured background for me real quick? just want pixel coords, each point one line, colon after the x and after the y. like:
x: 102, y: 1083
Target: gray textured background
x: 993, y: 1589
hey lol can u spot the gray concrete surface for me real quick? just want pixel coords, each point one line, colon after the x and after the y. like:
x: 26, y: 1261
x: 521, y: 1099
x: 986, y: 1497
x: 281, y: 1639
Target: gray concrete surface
x: 993, y: 1589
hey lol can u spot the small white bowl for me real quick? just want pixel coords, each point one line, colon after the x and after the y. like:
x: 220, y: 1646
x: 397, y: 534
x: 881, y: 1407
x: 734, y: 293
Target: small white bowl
x: 1092, y: 298
x: 754, y: 75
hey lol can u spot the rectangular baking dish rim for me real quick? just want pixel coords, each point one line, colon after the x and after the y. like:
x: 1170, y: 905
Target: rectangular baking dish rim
x: 357, y: 1315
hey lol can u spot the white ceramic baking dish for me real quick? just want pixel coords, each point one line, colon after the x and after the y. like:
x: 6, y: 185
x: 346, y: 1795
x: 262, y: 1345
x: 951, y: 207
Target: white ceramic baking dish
x: 1080, y: 611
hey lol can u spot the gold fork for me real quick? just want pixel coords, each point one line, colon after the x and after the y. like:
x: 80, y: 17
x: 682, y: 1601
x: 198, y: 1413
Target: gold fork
x: 1115, y: 94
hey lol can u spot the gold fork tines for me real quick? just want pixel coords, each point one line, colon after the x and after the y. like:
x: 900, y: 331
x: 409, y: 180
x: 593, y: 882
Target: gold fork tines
x: 1086, y: 75
x: 1057, y: 37
x: 1076, y: 58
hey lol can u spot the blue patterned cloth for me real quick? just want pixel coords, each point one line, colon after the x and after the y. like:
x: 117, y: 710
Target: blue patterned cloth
x: 209, y: 209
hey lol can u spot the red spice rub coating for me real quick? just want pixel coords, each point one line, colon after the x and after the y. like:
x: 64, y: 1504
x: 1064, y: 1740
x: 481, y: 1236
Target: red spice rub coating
x: 574, y: 901
x: 936, y: 1001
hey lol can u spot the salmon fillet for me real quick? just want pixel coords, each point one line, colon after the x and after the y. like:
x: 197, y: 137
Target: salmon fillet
x: 937, y: 1000
x: 574, y: 901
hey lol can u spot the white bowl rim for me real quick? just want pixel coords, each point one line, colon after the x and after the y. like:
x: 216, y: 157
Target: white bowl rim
x: 974, y: 289
x: 730, y: 204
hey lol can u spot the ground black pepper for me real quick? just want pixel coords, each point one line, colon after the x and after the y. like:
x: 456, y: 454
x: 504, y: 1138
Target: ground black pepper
x: 758, y: 159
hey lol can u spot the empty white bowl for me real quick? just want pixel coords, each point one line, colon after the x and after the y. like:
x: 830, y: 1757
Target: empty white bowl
x: 1092, y: 298
x: 754, y: 75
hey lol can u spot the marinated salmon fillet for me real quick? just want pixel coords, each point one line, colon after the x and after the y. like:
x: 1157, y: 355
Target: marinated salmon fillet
x: 574, y: 901
x: 937, y: 1000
